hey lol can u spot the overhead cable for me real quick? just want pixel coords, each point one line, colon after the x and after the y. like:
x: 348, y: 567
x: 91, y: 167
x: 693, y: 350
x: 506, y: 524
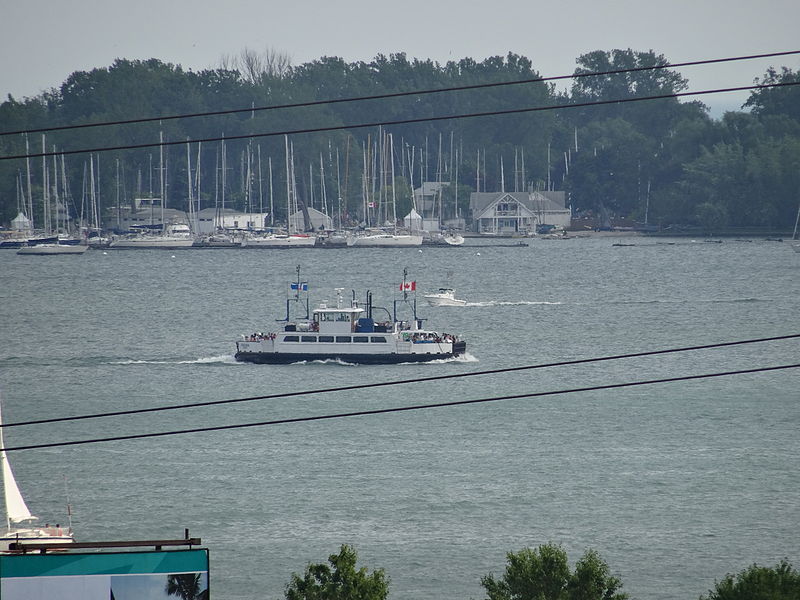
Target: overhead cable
x: 397, y: 409
x: 362, y: 386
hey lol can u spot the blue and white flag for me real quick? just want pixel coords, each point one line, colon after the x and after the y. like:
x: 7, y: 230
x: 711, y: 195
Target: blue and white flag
x: 300, y: 287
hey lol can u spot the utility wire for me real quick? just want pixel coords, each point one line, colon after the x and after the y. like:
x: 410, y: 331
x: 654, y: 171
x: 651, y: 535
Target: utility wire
x: 380, y: 411
x: 363, y: 386
x: 401, y: 94
x: 402, y: 121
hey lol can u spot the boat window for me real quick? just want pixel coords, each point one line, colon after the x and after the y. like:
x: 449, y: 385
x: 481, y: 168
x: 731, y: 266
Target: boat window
x: 291, y: 338
x: 308, y: 338
x: 344, y: 339
x: 342, y: 317
x: 325, y: 316
x: 377, y: 338
x: 360, y: 338
x: 326, y: 338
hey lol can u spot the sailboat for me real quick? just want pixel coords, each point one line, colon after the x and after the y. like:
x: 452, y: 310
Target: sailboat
x: 292, y: 238
x: 17, y: 512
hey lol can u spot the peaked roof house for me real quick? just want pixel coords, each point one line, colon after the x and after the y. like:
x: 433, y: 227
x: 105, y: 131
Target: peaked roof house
x: 509, y: 213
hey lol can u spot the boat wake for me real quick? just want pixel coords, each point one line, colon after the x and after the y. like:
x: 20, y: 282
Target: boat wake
x: 461, y: 358
x: 327, y: 361
x: 511, y: 303
x: 696, y: 301
x: 206, y: 360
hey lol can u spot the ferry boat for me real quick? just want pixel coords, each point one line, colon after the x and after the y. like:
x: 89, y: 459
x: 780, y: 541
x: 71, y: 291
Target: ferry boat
x: 349, y: 333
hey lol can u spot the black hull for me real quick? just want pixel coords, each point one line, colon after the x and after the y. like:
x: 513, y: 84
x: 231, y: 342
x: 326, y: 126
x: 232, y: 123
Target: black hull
x: 282, y: 358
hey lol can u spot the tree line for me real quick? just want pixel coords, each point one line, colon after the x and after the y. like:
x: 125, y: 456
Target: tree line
x: 661, y: 162
x: 541, y: 573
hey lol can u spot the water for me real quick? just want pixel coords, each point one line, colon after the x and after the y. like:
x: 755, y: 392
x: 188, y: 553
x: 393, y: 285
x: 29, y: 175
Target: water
x: 675, y: 484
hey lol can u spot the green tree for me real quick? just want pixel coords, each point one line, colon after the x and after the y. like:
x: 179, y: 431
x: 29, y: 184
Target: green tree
x: 781, y: 582
x: 777, y: 100
x: 544, y: 574
x: 186, y: 586
x: 338, y: 580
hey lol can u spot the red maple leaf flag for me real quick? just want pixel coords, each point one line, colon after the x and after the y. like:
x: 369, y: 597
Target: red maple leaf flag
x: 408, y: 286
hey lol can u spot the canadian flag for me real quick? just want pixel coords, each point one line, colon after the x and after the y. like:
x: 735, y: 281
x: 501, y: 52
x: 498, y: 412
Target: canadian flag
x: 408, y: 286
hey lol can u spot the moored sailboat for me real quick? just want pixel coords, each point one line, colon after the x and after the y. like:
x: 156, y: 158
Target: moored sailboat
x: 17, y: 512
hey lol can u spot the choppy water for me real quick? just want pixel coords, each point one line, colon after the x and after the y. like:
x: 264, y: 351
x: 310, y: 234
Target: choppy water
x: 674, y: 484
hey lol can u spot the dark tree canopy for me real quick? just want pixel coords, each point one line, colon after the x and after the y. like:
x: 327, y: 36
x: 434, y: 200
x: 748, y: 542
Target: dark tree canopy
x: 781, y: 582
x: 544, y: 574
x: 339, y: 579
x: 665, y: 161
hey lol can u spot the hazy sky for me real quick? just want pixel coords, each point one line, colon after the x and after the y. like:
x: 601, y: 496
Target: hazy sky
x: 43, y: 41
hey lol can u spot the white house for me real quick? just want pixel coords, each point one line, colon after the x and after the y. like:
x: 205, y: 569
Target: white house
x: 508, y: 213
x: 210, y: 220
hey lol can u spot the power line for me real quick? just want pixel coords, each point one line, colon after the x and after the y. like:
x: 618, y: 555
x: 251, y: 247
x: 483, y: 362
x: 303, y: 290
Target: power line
x: 381, y: 411
x: 402, y: 94
x: 402, y: 121
x: 362, y: 386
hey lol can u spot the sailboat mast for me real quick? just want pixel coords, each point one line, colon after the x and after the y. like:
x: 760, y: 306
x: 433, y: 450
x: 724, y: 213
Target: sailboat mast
x: 29, y: 208
x: 288, y: 185
x: 55, y: 190
x: 271, y: 205
x: 161, y: 172
x: 394, y: 198
x: 189, y: 182
x: 196, y: 224
x: 45, y: 190
x: 260, y: 189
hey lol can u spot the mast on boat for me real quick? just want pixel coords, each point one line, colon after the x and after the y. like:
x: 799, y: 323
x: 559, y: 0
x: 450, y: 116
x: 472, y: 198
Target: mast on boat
x: 16, y: 509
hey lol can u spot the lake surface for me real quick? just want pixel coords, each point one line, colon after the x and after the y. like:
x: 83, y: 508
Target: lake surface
x: 674, y: 484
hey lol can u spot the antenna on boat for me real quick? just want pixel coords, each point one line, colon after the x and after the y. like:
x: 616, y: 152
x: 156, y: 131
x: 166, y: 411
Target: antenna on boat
x: 297, y: 287
x: 69, y: 506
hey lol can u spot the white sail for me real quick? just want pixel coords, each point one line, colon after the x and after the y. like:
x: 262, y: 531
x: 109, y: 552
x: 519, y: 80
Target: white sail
x: 16, y: 509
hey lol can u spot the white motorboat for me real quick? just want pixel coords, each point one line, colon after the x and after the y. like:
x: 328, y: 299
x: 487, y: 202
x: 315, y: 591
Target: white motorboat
x: 444, y: 297
x: 453, y: 239
x: 17, y: 512
x: 349, y: 333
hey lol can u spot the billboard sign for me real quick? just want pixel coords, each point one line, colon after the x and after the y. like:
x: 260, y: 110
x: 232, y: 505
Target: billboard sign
x: 149, y: 575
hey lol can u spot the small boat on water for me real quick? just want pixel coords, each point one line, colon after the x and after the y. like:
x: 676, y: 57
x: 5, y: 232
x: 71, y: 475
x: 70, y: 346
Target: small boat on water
x: 17, y: 512
x: 280, y: 240
x: 444, y: 297
x: 382, y: 239
x: 349, y: 333
x: 59, y: 246
x: 177, y: 235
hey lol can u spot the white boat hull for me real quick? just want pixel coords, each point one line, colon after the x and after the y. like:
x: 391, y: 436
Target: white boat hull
x: 32, y: 536
x: 444, y: 297
x: 152, y: 242
x: 396, y: 349
x: 385, y: 241
x: 48, y: 249
x: 441, y: 301
x: 280, y: 241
